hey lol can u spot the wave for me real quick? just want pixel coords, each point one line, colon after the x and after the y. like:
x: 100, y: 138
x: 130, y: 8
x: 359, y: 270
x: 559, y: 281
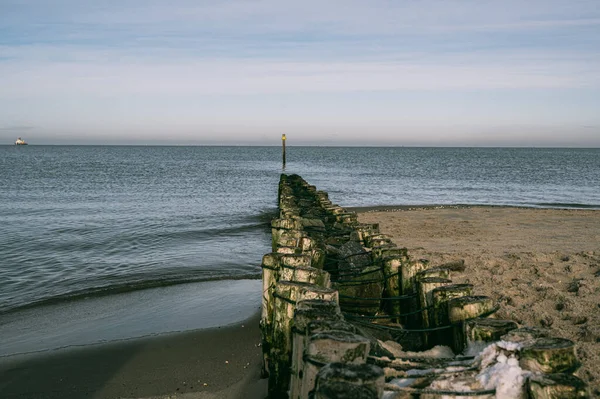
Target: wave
x: 125, y: 287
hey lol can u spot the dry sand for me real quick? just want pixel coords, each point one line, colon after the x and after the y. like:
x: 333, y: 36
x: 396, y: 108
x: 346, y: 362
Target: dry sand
x: 205, y: 364
x: 541, y: 265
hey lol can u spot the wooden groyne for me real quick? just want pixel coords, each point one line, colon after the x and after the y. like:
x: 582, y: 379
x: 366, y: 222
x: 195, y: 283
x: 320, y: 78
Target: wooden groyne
x: 346, y: 313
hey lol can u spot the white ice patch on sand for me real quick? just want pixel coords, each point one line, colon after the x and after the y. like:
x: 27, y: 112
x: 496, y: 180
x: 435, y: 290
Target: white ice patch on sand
x: 500, y: 370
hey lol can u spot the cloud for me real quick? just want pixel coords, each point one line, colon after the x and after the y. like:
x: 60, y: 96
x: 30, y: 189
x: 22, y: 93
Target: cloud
x: 69, y: 63
x: 87, y: 76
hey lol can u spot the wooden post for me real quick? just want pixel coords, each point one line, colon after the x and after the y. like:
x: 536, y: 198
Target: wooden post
x: 549, y: 355
x: 462, y: 309
x: 307, y: 312
x: 283, y: 144
x: 556, y: 386
x: 425, y: 299
x: 287, y: 294
x: 525, y: 334
x: 328, y: 347
x: 488, y: 330
x: 351, y: 381
x: 391, y: 267
x: 439, y: 316
x: 407, y: 276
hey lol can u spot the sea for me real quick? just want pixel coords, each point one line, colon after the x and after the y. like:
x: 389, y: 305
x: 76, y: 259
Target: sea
x: 103, y: 243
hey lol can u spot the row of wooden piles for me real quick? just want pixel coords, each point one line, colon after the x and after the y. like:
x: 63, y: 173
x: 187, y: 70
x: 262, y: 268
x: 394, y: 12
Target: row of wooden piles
x: 335, y: 290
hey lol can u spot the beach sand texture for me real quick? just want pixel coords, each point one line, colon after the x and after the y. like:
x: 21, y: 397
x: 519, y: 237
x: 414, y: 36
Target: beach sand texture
x: 541, y: 265
x: 213, y: 363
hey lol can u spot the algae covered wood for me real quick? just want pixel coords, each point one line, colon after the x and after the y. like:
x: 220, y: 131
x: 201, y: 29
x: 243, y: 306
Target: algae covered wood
x: 439, y: 317
x: 364, y: 231
x: 525, y: 334
x: 462, y: 309
x: 488, y: 330
x: 288, y: 250
x: 377, y: 239
x: 361, y: 292
x: 391, y: 270
x: 425, y: 286
x: 440, y: 272
x: 549, y: 355
x: 287, y: 294
x: 306, y: 312
x: 408, y: 275
x: 328, y: 347
x: 286, y: 227
x: 556, y: 386
x: 271, y: 269
x: 350, y: 381
x: 306, y: 274
x: 295, y: 260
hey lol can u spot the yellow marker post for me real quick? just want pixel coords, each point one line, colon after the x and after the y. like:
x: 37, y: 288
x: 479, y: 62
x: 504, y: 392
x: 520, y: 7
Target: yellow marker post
x: 283, y: 143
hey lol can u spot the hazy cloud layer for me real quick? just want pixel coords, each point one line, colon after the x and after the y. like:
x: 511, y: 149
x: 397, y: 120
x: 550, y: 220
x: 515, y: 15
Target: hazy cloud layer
x: 484, y: 72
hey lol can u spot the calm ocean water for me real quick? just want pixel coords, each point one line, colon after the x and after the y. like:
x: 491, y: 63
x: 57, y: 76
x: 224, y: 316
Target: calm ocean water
x: 81, y: 221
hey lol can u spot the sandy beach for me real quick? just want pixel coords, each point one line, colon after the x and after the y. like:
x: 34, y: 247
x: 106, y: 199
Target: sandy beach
x: 222, y: 362
x: 541, y: 265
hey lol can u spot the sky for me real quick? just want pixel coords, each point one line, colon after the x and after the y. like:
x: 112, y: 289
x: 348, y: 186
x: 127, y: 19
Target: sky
x: 335, y: 72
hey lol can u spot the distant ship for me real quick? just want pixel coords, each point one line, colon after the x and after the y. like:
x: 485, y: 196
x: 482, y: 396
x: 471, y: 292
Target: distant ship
x: 20, y: 141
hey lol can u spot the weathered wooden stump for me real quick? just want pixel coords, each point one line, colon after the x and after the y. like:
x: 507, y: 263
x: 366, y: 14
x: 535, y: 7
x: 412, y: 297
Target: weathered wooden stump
x: 295, y: 260
x: 280, y: 226
x: 488, y: 330
x: 463, y: 309
x: 348, y: 218
x: 549, y: 355
x: 440, y: 272
x: 363, y: 231
x: 287, y: 294
x: 334, y: 210
x: 271, y: 270
x: 288, y: 250
x: 288, y: 238
x: 408, y: 286
x: 361, y: 293
x: 307, y: 312
x: 349, y: 381
x: 525, y: 334
x: 392, y: 266
x: 425, y: 286
x: 377, y: 239
x: 439, y: 317
x: 306, y: 274
x: 556, y: 386
x: 328, y: 347
x: 378, y: 252
x: 317, y: 257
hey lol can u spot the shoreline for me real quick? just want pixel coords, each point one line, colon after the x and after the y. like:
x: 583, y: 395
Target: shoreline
x: 218, y: 362
x: 402, y: 208
x: 131, y: 315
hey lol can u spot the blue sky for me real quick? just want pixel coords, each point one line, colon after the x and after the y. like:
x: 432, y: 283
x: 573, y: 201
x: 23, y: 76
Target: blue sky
x: 433, y: 73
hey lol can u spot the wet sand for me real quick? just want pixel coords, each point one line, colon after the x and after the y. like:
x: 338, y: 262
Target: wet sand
x: 222, y: 362
x: 541, y: 265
